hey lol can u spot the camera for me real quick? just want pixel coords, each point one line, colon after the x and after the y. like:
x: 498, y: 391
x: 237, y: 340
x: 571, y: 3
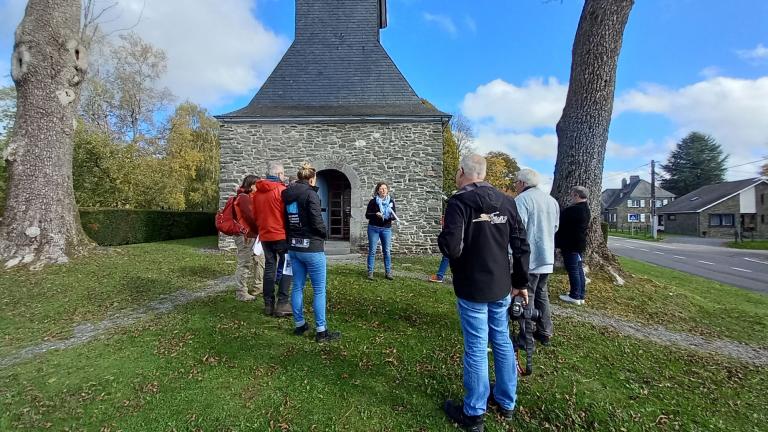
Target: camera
x: 518, y: 310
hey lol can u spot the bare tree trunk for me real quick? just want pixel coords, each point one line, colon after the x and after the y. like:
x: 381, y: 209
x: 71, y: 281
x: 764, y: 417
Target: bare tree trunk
x: 41, y: 222
x: 582, y: 131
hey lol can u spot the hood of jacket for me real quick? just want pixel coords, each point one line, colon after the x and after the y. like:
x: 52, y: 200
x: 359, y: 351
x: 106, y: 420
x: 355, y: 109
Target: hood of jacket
x: 297, y: 190
x: 480, y: 196
x: 265, y: 185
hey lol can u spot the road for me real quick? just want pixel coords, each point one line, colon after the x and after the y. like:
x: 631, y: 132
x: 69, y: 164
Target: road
x: 741, y: 268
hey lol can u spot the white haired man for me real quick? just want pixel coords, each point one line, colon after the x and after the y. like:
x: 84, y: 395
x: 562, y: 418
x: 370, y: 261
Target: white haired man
x: 540, y: 214
x: 481, y: 225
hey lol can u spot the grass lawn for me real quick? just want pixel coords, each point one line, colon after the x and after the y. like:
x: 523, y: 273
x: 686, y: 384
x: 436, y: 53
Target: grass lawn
x: 749, y: 244
x: 217, y: 364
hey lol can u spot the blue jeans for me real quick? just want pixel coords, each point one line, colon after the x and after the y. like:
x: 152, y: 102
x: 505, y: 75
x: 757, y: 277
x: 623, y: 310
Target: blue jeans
x: 310, y: 264
x: 443, y: 267
x: 374, y: 234
x: 575, y: 269
x: 479, y: 323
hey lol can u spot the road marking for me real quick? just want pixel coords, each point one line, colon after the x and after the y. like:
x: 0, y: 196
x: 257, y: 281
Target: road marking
x: 707, y: 262
x: 630, y: 247
x: 645, y: 243
x: 740, y: 269
x: 660, y: 253
x: 675, y: 256
x: 757, y: 261
x: 644, y: 250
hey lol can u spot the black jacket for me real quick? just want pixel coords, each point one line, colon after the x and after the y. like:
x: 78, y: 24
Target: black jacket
x: 373, y: 219
x: 305, y: 229
x: 481, y: 224
x: 571, y: 236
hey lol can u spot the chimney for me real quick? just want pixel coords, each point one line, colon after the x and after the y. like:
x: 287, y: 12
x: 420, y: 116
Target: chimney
x: 634, y: 179
x: 623, y: 184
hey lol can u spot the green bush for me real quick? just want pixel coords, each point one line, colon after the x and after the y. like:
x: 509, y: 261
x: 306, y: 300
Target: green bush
x: 114, y: 227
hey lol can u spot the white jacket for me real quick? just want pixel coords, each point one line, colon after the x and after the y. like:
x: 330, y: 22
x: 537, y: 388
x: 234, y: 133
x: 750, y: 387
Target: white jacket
x: 540, y: 214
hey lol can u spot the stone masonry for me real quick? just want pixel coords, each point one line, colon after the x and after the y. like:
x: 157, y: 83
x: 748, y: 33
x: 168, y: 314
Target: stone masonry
x: 407, y: 156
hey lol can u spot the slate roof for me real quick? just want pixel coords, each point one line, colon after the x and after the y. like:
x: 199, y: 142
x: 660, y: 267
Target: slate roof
x: 706, y: 196
x: 639, y: 189
x: 336, y: 66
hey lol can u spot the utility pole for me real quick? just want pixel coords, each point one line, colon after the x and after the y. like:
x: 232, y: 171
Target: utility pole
x: 653, y: 199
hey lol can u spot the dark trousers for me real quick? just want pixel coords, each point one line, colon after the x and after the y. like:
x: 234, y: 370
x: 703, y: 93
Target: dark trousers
x: 575, y: 269
x: 274, y: 252
x: 538, y: 297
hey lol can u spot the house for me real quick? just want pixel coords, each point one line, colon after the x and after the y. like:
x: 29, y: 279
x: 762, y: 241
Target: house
x: 339, y: 102
x: 721, y: 210
x: 631, y: 204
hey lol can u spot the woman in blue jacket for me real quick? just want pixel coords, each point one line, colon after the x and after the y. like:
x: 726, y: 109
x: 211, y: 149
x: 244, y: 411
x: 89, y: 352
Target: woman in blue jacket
x: 380, y: 214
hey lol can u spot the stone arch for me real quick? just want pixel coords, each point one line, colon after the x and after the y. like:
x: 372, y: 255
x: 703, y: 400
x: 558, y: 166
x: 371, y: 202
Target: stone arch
x: 357, y: 219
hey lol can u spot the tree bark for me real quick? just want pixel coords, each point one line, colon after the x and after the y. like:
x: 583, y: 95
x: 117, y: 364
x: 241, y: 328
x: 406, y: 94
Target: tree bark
x: 582, y: 132
x: 41, y: 223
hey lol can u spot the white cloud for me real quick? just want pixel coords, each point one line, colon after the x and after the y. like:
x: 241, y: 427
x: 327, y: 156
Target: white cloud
x: 711, y: 72
x: 732, y: 110
x: 756, y: 54
x: 521, y: 146
x: 216, y: 49
x: 537, y: 103
x: 443, y: 21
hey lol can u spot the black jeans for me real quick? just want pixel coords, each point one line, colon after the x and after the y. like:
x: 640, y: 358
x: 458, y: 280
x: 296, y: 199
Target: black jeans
x: 274, y: 252
x: 538, y: 297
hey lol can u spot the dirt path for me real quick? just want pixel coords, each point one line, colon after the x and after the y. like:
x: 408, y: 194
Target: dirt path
x: 658, y: 334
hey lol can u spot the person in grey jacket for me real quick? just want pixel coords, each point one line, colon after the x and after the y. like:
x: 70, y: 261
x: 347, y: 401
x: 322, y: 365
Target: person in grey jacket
x: 540, y: 214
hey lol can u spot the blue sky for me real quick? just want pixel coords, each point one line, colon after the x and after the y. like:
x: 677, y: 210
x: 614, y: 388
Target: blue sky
x: 685, y: 65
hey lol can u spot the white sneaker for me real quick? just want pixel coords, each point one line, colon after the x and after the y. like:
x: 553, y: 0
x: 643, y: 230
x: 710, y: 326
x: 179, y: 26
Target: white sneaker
x: 569, y: 299
x: 581, y: 302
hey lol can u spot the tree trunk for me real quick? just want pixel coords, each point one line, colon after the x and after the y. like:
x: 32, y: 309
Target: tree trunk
x: 41, y: 222
x: 582, y: 132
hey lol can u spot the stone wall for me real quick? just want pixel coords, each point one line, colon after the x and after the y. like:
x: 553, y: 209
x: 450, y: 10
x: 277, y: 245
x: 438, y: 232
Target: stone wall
x: 729, y: 206
x: 684, y: 224
x: 408, y: 156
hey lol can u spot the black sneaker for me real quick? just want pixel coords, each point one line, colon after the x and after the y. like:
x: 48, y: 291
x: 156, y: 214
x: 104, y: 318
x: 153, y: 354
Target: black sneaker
x: 390, y: 276
x: 269, y: 309
x: 299, y: 331
x: 542, y: 338
x: 327, y: 336
x: 455, y: 412
x: 504, y: 413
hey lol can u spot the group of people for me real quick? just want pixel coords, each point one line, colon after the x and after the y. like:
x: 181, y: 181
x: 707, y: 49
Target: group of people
x: 482, y: 228
x: 288, y: 225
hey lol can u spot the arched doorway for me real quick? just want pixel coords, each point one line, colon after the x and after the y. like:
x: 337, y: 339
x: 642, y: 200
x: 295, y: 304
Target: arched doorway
x: 336, y: 199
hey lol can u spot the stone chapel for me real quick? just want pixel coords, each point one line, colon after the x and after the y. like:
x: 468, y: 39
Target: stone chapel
x: 338, y: 101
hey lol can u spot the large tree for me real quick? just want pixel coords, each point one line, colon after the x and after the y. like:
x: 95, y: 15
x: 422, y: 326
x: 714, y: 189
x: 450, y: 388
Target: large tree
x: 582, y: 132
x: 697, y: 161
x: 463, y: 133
x: 41, y: 223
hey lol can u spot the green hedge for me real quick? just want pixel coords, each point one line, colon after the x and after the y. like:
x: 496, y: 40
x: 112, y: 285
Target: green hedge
x: 113, y: 227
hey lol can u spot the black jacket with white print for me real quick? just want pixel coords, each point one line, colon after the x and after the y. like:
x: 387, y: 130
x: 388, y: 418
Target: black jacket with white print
x: 481, y: 226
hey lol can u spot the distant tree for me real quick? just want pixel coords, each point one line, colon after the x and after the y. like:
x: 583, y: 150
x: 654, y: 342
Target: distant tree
x: 582, y: 131
x: 463, y: 133
x: 40, y: 223
x: 7, y: 115
x: 192, y: 155
x: 697, y: 161
x: 501, y: 171
x: 123, y: 94
x: 764, y: 170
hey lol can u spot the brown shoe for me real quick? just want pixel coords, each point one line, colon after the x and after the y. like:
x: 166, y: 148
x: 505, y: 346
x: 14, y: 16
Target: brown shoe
x: 283, y: 310
x: 269, y: 309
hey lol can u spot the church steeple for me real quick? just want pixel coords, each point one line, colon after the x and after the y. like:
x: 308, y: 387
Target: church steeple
x: 359, y: 19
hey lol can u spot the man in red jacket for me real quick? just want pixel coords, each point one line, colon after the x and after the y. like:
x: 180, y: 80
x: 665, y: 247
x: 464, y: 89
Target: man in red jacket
x: 270, y: 218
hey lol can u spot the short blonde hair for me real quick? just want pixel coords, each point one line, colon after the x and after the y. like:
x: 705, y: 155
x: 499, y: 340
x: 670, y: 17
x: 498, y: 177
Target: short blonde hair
x: 306, y: 172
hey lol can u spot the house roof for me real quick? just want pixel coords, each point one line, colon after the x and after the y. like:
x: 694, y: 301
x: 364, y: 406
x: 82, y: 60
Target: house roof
x: 707, y: 196
x: 638, y: 189
x: 336, y: 66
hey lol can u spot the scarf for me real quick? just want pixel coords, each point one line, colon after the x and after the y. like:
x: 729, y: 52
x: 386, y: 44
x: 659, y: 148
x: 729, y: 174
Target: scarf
x: 385, y: 206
